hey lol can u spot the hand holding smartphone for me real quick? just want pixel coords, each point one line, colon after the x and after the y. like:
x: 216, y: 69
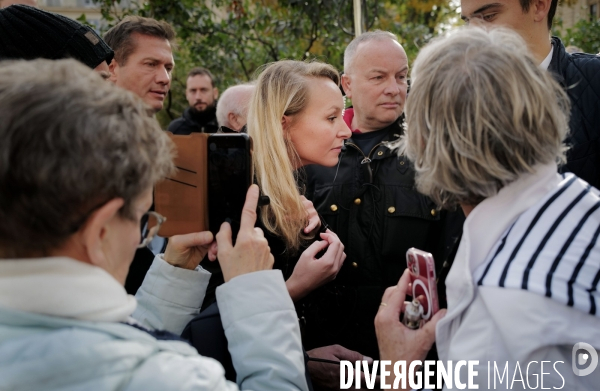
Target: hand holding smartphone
x: 422, y: 276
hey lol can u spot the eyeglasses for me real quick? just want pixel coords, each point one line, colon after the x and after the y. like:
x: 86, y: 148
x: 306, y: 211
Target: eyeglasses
x: 150, y: 224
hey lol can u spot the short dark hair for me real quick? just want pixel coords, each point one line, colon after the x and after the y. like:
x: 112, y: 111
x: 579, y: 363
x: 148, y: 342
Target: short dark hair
x: 201, y: 71
x: 119, y: 36
x: 551, y: 12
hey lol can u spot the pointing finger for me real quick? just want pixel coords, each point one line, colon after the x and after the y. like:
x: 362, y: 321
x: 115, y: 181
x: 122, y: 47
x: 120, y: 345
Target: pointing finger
x: 249, y: 210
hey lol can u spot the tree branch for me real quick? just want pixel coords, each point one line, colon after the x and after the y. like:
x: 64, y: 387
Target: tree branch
x: 242, y: 64
x: 272, y: 51
x: 270, y: 47
x: 313, y: 39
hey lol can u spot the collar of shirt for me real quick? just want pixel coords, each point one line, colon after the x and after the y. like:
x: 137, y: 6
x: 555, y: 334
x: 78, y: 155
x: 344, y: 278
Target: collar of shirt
x: 546, y: 63
x: 348, y: 117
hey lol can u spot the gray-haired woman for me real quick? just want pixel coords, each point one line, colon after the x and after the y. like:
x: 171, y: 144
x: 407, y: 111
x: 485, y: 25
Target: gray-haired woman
x: 78, y: 161
x: 485, y: 127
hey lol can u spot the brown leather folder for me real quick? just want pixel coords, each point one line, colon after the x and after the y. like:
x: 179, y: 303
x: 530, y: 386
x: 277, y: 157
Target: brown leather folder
x: 183, y: 197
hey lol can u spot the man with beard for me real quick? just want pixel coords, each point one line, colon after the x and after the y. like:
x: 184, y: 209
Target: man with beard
x: 202, y: 95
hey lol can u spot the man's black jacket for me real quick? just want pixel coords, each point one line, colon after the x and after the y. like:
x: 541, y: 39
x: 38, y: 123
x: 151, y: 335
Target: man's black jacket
x: 579, y: 74
x: 191, y: 121
x: 378, y: 214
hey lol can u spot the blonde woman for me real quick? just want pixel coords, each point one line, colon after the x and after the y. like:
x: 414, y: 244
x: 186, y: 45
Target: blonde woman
x: 295, y: 119
x: 485, y: 129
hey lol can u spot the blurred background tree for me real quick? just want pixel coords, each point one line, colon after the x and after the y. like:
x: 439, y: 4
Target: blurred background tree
x: 234, y: 38
x: 585, y: 35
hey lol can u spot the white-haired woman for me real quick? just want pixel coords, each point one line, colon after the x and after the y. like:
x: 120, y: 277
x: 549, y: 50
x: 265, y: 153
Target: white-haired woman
x: 485, y: 127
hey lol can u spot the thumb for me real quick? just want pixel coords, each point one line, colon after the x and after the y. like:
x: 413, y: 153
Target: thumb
x: 316, y: 247
x: 328, y: 236
x: 224, y: 238
x: 429, y: 327
x: 346, y: 354
x: 193, y: 239
x: 212, y: 251
x: 436, y: 318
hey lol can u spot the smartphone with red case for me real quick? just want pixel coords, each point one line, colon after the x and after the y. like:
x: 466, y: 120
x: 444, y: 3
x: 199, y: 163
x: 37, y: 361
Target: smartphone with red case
x: 422, y: 276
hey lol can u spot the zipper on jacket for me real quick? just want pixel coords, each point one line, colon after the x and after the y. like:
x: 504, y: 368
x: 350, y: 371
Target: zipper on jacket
x: 367, y: 158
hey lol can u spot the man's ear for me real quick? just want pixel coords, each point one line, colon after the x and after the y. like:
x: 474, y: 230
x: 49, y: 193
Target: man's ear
x: 346, y: 85
x: 232, y: 118
x: 215, y: 93
x: 113, y: 68
x: 540, y: 10
x: 95, y: 229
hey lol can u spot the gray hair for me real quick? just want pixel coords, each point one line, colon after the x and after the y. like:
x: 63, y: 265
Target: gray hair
x: 352, y: 48
x: 70, y: 143
x: 480, y: 114
x: 235, y: 99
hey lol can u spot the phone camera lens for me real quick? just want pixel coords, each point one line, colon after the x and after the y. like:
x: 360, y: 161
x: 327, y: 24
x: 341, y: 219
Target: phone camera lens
x: 213, y: 146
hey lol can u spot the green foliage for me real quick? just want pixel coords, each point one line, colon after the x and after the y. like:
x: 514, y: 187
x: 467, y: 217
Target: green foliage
x: 585, y: 35
x: 415, y: 22
x: 234, y: 38
x: 83, y: 20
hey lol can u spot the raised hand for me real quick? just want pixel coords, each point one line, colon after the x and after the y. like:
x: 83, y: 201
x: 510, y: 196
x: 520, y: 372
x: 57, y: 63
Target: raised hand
x: 311, y: 272
x: 251, y: 252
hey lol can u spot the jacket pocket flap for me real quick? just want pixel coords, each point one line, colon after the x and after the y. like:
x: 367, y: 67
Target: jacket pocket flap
x: 407, y: 202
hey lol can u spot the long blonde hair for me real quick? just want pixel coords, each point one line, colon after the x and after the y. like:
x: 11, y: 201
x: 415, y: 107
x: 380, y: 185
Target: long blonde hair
x: 281, y: 89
